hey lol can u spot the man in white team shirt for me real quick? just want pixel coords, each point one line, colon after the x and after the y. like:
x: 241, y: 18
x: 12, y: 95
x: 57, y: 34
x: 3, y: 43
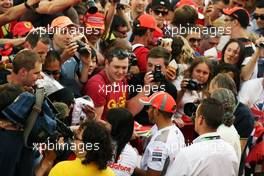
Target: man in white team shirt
x: 209, y: 154
x: 166, y: 141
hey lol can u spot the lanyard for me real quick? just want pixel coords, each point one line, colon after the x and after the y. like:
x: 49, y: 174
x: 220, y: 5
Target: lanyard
x: 208, y: 138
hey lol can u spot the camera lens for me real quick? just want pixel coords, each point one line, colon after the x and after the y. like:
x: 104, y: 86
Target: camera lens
x: 91, y: 7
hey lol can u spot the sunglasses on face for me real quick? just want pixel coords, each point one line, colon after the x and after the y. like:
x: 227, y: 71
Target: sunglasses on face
x: 54, y: 72
x: 193, y: 40
x: 162, y: 12
x: 256, y: 17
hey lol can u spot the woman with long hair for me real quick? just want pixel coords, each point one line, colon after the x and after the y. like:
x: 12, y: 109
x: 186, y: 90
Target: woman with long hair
x: 125, y: 156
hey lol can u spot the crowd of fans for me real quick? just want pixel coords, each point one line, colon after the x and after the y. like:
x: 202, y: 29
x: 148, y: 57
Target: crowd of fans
x: 131, y: 87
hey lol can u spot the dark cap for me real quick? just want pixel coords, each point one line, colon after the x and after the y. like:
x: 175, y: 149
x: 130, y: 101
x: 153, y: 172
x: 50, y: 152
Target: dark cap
x: 240, y: 14
x: 64, y: 95
x: 155, y: 4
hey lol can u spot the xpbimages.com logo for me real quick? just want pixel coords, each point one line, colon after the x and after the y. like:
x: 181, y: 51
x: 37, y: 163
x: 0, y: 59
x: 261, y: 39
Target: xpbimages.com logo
x: 80, y: 147
x: 115, y: 88
x: 73, y: 30
x: 171, y: 31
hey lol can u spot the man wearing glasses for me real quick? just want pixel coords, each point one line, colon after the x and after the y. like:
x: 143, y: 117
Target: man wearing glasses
x: 209, y: 154
x: 159, y: 9
x: 257, y: 25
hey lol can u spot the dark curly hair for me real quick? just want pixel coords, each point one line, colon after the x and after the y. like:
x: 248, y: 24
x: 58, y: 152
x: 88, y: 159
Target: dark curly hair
x: 122, y: 122
x: 95, y: 132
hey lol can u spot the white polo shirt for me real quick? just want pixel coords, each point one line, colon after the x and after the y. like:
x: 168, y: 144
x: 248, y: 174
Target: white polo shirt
x: 162, y: 146
x: 209, y: 155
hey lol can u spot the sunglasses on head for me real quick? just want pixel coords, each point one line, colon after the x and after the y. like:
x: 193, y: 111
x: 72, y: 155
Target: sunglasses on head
x: 162, y: 12
x: 193, y: 40
x: 255, y: 16
x: 55, y: 72
x: 120, y: 54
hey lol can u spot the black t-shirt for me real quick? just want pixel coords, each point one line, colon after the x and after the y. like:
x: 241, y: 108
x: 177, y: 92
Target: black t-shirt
x: 138, y: 81
x: 244, y: 121
x: 3, y: 76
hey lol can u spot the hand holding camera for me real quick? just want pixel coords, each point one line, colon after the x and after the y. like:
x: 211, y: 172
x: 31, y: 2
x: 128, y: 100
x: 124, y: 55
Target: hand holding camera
x: 190, y: 84
x: 69, y: 51
x: 157, y: 74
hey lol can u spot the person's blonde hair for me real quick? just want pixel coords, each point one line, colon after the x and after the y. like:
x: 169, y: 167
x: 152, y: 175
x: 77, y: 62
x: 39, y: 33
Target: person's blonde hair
x: 187, y: 55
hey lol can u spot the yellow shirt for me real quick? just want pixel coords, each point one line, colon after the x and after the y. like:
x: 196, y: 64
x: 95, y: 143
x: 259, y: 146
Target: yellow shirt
x: 76, y: 168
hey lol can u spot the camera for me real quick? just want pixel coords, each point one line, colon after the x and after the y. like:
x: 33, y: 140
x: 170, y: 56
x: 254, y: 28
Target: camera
x: 91, y: 7
x: 82, y: 48
x: 157, y: 74
x: 132, y: 60
x: 193, y: 85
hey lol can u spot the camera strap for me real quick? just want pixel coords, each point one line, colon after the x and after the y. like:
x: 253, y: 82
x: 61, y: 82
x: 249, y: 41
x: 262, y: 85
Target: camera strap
x: 30, y: 122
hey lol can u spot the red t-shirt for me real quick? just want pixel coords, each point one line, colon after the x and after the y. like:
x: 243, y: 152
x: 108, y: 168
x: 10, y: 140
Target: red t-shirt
x: 105, y: 93
x: 141, y: 53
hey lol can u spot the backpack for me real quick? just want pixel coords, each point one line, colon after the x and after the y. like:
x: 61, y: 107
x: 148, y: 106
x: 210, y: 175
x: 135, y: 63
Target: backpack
x: 35, y: 114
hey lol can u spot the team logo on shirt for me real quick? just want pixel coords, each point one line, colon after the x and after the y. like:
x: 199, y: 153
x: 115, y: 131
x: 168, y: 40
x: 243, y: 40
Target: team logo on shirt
x: 156, y: 156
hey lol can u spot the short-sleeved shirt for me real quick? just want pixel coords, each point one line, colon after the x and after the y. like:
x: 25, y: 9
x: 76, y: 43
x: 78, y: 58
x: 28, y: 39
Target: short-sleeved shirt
x: 141, y: 53
x: 126, y: 163
x: 249, y: 99
x: 106, y: 93
x: 162, y: 147
x: 205, y: 157
x: 244, y: 121
x: 75, y: 167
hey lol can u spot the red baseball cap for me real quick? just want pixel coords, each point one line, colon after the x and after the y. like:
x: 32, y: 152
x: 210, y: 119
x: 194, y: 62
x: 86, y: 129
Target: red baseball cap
x: 238, y: 13
x: 22, y: 28
x: 148, y: 21
x: 160, y: 100
x: 94, y: 20
x: 62, y: 22
x: 192, y: 4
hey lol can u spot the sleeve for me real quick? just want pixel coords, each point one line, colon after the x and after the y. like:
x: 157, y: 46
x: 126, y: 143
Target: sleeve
x: 158, y: 155
x: 179, y: 166
x: 96, y: 91
x: 244, y: 122
x: 244, y: 96
x: 142, y: 54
